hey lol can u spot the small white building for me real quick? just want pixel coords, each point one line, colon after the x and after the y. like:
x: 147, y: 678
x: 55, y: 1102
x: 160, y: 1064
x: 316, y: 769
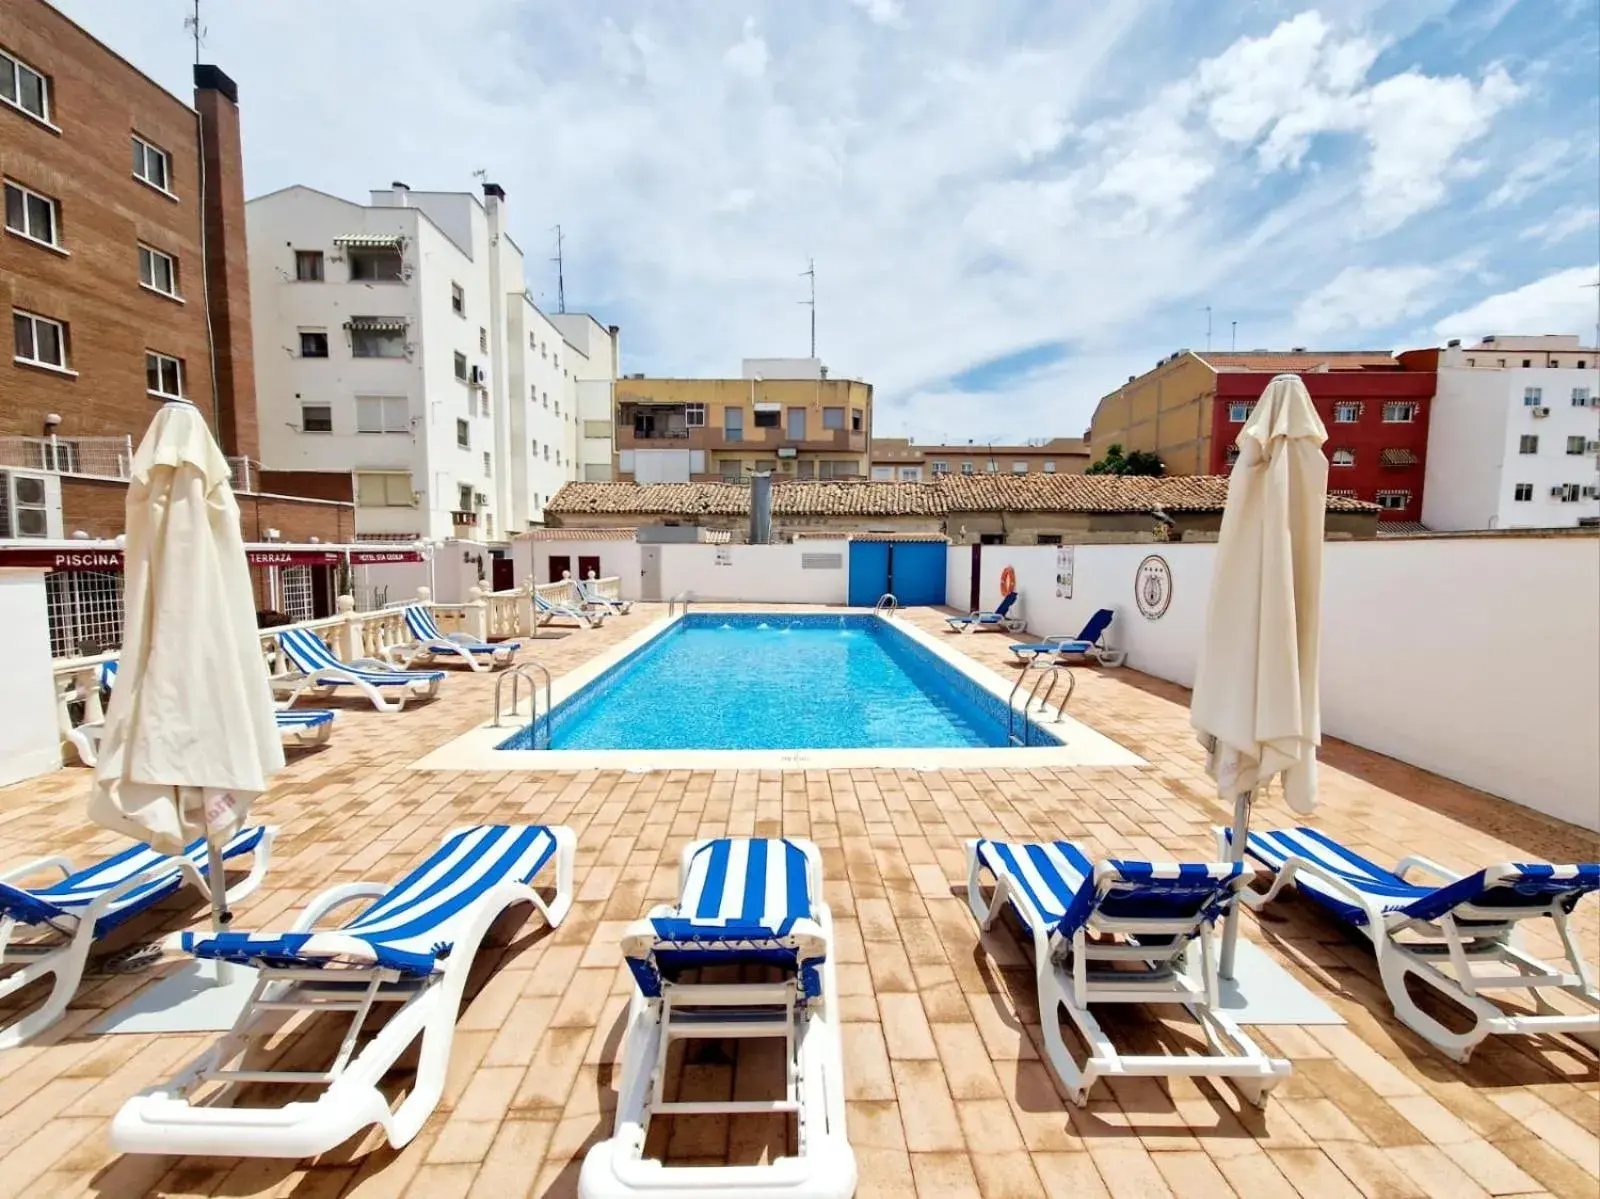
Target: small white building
x: 1513, y: 436
x: 396, y: 341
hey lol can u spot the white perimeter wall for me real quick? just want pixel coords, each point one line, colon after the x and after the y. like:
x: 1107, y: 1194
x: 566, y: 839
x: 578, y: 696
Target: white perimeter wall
x: 29, y: 741
x: 1473, y: 658
x: 765, y: 574
x: 619, y: 559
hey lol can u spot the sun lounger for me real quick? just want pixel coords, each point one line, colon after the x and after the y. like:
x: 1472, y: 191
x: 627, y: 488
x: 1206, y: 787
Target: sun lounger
x: 754, y: 904
x: 548, y: 612
x: 431, y: 644
x: 69, y: 915
x: 1000, y: 618
x: 1459, y: 935
x: 1090, y: 641
x: 315, y: 668
x: 1120, y: 932
x: 605, y: 603
x: 413, y: 946
x: 297, y: 726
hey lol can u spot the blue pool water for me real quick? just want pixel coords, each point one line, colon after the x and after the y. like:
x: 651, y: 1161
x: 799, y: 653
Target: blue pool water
x: 764, y: 681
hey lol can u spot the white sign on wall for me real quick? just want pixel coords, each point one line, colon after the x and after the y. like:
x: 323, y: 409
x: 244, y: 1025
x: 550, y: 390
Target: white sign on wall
x: 1152, y: 587
x: 1064, y: 564
x: 724, y: 556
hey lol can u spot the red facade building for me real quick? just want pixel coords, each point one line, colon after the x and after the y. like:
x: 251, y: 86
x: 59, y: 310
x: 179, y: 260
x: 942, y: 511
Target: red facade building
x: 1377, y: 420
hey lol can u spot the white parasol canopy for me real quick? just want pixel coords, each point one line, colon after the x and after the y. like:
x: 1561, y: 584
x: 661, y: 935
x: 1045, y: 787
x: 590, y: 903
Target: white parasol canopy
x: 1255, y: 700
x: 190, y: 737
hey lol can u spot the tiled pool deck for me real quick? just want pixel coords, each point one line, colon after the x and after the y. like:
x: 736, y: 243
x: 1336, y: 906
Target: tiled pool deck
x: 947, y: 1092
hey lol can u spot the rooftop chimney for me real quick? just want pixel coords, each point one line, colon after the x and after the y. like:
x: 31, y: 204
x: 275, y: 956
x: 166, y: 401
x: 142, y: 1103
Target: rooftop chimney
x: 495, y: 190
x: 760, y: 509
x: 1452, y: 343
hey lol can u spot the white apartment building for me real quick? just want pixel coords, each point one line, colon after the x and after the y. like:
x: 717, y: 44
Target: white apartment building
x: 396, y: 342
x: 595, y: 364
x: 1514, y: 435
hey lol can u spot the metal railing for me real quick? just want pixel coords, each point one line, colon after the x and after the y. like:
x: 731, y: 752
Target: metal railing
x: 1052, y: 673
x: 682, y: 597
x: 97, y: 457
x: 516, y: 674
x: 246, y: 474
x: 887, y: 605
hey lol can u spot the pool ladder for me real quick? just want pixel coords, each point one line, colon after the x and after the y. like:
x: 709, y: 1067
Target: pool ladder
x: 517, y: 674
x: 1052, y: 673
x: 887, y: 605
x: 682, y: 597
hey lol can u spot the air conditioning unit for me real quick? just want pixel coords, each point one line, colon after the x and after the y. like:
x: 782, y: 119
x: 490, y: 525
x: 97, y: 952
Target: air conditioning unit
x: 1541, y: 412
x: 480, y: 500
x: 479, y: 377
x: 1558, y: 491
x: 1590, y: 493
x: 1591, y: 447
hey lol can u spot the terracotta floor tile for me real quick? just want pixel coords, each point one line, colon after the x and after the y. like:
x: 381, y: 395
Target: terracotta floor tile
x: 1127, y: 1170
x: 905, y: 1027
x: 866, y: 1073
x: 926, y: 1109
x: 1007, y: 1176
x: 1191, y: 1173
x: 1313, y: 1173
x: 1372, y: 1171
x: 988, y: 1126
x: 1433, y: 1170
x: 1069, y: 1174
x: 944, y: 1176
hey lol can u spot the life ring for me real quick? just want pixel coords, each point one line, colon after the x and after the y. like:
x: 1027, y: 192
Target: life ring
x: 1008, y: 581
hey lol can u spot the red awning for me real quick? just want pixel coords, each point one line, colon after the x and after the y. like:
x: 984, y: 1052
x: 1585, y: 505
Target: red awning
x: 104, y: 560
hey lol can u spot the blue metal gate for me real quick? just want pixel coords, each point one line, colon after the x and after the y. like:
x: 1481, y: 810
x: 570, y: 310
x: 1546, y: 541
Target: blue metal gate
x: 913, y: 570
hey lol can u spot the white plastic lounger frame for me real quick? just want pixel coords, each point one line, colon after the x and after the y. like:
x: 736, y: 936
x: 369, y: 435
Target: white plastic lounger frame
x: 86, y: 904
x: 316, y: 669
x: 431, y: 644
x: 1066, y: 904
x: 1467, y: 923
x: 413, y: 946
x: 741, y: 901
x: 548, y: 612
x: 1000, y: 620
x: 593, y: 599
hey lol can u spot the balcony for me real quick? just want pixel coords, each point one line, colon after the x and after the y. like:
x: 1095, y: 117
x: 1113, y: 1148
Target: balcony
x: 94, y: 457
x: 466, y: 523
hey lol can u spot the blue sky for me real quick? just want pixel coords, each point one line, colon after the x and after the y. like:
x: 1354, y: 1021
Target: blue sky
x: 1012, y: 205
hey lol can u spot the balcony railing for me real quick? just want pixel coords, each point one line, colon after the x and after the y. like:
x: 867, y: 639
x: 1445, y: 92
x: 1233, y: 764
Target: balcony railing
x: 96, y: 457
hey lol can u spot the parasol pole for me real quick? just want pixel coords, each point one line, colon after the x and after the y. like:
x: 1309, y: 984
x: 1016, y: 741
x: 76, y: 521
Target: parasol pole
x: 1230, y: 930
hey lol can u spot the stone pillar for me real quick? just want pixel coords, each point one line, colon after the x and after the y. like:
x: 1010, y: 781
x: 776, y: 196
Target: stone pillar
x: 347, y: 641
x: 30, y: 742
x: 476, y: 619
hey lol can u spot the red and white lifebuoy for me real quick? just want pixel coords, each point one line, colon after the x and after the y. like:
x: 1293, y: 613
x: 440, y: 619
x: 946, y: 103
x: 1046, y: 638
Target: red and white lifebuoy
x: 1008, y: 580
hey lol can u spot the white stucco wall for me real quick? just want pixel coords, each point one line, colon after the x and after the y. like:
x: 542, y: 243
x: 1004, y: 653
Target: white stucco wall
x: 29, y: 741
x: 769, y: 574
x: 1473, y: 658
x: 619, y: 559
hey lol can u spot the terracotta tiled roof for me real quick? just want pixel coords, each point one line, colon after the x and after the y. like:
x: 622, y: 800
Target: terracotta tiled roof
x: 936, y: 497
x: 1401, y: 528
x: 1299, y: 360
x: 579, y: 535
x: 1397, y: 457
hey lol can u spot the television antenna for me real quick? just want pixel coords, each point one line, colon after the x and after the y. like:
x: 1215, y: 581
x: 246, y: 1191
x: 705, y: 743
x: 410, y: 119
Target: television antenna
x: 197, y: 30
x: 561, y: 274
x: 811, y: 273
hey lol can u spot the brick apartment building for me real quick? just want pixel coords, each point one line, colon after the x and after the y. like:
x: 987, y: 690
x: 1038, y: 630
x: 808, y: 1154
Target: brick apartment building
x: 902, y: 460
x: 123, y: 266
x: 1190, y: 407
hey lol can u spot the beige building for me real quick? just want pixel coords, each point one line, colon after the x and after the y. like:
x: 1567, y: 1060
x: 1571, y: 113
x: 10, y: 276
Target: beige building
x: 800, y: 426
x: 901, y: 460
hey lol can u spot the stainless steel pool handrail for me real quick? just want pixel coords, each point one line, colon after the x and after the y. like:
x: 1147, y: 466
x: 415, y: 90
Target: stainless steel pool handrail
x: 516, y: 673
x: 1050, y: 672
x: 672, y: 604
x: 887, y: 605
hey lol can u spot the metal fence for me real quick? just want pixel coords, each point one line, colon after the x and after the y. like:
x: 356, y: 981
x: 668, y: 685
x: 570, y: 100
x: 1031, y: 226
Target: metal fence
x: 100, y: 457
x: 295, y: 585
x: 85, y: 611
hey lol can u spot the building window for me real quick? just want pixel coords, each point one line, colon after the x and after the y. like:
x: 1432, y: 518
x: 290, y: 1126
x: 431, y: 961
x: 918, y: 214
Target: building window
x: 545, y: 398
x: 483, y: 340
x: 374, y: 342
x: 158, y: 271
x: 1582, y: 364
x: 856, y: 417
x: 730, y: 469
x: 767, y: 420
x: 392, y: 490
x: 1019, y: 468
x: 1523, y: 493
x: 308, y: 266
x: 488, y: 465
x: 1348, y: 413
x: 910, y: 474
x: 1571, y: 493
x: 1527, y: 362
x: 383, y: 414
x: 40, y: 341
x: 733, y: 424
x: 1575, y: 444
x: 464, y: 496
x: 458, y: 300
x: 152, y: 165
x: 23, y: 87
x: 533, y: 343
x: 1048, y: 539
x: 463, y: 434
x: 1231, y: 455
x: 316, y: 418
x: 883, y: 473
x: 1340, y: 457
x: 939, y: 467
x: 833, y: 418
x: 843, y: 469
x: 1399, y: 414
x: 1528, y: 444
x: 163, y: 375
x: 1049, y: 466
x: 31, y: 215
x: 966, y: 468
x: 547, y: 453
x: 1239, y: 412
x: 1532, y: 397
x: 369, y: 265
x: 557, y: 408
x: 535, y: 445
x: 461, y: 366
x: 1580, y: 396
x: 313, y: 343
x: 1393, y: 501
x: 694, y: 415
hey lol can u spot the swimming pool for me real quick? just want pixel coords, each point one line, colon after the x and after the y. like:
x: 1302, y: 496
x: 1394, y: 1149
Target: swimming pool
x: 766, y: 681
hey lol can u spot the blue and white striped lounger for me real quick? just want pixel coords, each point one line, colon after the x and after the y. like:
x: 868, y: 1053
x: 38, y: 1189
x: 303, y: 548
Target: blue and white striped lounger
x: 87, y: 904
x: 431, y: 644
x: 413, y: 944
x: 315, y: 667
x: 548, y: 612
x: 593, y: 599
x: 1463, y: 922
x: 754, y: 904
x: 1120, y: 932
x: 1000, y: 618
x: 1089, y: 641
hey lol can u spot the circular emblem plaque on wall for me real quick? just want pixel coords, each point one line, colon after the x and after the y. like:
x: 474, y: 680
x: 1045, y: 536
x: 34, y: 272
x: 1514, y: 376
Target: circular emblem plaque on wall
x: 1152, y: 587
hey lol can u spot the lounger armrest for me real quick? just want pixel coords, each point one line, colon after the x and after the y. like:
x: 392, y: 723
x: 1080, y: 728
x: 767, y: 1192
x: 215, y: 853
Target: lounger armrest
x: 56, y: 863
x: 1338, y: 885
x: 1418, y: 862
x: 334, y: 898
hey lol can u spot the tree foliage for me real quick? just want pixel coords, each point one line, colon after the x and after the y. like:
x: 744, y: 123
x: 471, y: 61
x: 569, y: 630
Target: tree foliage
x: 1115, y: 462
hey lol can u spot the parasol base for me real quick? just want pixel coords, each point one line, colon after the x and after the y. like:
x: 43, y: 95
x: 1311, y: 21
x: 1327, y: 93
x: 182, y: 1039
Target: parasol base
x: 1263, y: 992
x: 190, y: 999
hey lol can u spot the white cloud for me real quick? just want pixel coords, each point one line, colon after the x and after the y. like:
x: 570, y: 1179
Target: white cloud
x: 1564, y: 223
x: 748, y: 56
x: 884, y: 12
x: 1564, y: 302
x: 1369, y: 298
x: 1540, y: 164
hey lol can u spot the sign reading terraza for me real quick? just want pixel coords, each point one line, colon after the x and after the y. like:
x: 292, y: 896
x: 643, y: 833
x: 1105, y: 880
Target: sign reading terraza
x: 1152, y: 587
